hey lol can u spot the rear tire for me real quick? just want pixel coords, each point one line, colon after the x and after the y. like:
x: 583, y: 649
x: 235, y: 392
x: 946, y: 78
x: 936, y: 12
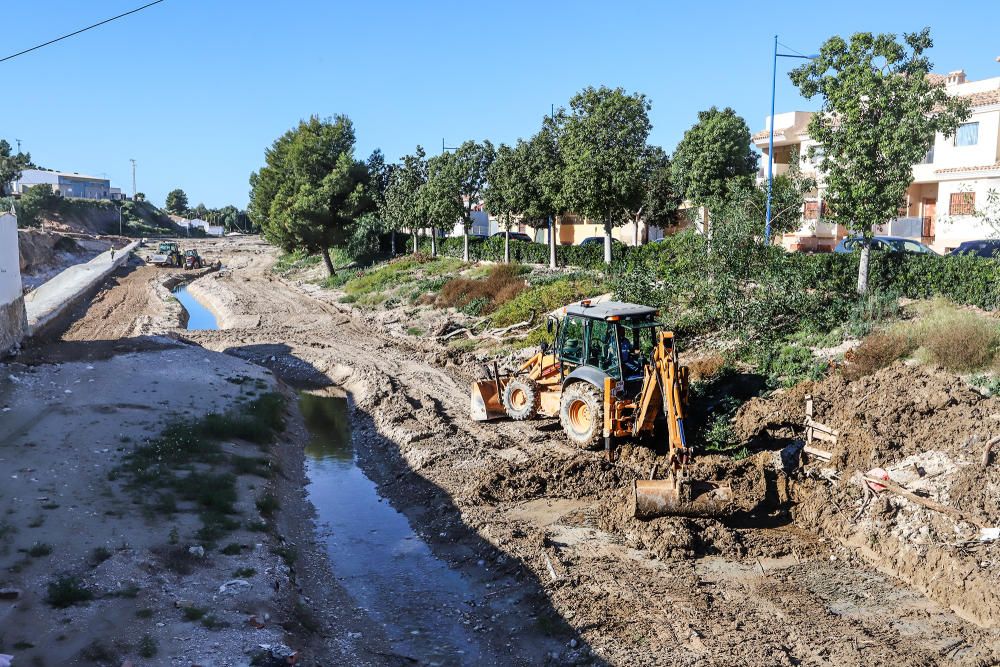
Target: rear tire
x: 521, y: 399
x: 581, y: 413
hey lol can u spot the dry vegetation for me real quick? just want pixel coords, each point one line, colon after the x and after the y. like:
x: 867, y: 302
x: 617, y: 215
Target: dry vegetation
x: 957, y: 339
x: 481, y: 296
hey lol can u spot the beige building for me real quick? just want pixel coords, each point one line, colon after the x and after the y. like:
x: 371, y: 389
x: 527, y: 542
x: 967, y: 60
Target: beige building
x: 949, y: 186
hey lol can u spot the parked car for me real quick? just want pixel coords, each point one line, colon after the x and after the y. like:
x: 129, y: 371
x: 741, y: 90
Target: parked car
x: 517, y: 236
x: 599, y: 240
x: 989, y: 248
x: 886, y: 244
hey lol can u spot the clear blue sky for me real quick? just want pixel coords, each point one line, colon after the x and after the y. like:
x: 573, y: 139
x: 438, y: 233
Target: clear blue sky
x: 195, y: 90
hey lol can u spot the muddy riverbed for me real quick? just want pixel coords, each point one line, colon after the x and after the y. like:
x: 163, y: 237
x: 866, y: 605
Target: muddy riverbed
x: 517, y: 536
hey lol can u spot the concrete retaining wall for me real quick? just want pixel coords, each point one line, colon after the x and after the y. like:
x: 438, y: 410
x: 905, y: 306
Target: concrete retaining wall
x: 12, y: 317
x: 51, y: 300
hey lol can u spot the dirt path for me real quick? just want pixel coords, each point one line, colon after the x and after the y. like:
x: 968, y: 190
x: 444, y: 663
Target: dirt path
x: 511, y: 506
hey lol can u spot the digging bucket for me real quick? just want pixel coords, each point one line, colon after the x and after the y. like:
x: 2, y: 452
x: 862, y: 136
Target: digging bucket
x: 654, y: 498
x: 485, y: 401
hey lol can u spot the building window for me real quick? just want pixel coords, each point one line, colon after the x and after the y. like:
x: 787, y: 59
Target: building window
x: 962, y: 203
x: 929, y: 158
x: 811, y: 211
x: 967, y: 134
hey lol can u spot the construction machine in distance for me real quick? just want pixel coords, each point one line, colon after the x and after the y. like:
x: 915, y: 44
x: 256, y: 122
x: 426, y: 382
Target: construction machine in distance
x: 613, y: 372
x: 168, y: 254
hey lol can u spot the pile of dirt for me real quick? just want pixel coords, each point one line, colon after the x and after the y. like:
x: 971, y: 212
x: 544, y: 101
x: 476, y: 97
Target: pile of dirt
x: 926, y: 430
x: 882, y: 418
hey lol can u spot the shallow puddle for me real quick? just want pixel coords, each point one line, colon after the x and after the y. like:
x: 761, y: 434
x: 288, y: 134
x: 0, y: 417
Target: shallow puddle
x: 199, y: 317
x: 375, y: 554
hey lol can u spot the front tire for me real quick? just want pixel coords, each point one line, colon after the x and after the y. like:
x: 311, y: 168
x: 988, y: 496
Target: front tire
x: 521, y: 399
x: 581, y: 413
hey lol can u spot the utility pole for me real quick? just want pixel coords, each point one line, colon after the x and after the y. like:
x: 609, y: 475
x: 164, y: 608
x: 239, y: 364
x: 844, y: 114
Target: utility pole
x: 18, y: 146
x: 132, y: 160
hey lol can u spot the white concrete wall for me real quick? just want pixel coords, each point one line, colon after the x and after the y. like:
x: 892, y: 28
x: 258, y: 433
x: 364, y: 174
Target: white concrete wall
x: 947, y: 155
x: 952, y: 230
x: 10, y: 266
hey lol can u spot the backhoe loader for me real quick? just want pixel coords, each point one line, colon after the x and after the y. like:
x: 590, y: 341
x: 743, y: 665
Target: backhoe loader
x: 613, y: 372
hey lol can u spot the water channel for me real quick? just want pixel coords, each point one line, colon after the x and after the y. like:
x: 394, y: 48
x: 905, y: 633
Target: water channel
x: 374, y: 552
x: 199, y: 317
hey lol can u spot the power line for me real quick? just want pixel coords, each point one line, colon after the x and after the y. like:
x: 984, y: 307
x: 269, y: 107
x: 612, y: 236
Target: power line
x: 89, y: 27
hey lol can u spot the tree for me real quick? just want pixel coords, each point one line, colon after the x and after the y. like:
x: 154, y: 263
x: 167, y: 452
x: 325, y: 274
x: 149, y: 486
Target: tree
x: 11, y: 166
x: 401, y: 210
x: 713, y: 156
x: 879, y: 116
x: 543, y: 171
x: 747, y: 201
x: 177, y: 202
x: 440, y: 198
x: 372, y: 225
x: 470, y: 163
x: 36, y: 200
x: 504, y: 193
x: 603, y: 143
x: 311, y: 191
x: 660, y: 203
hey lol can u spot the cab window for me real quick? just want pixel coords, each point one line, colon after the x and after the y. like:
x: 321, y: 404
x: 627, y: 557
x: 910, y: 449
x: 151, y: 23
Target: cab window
x: 603, y: 349
x: 571, y: 346
x: 637, y: 347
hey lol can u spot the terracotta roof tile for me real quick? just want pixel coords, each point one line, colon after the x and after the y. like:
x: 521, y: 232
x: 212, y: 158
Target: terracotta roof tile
x: 955, y: 170
x: 984, y: 98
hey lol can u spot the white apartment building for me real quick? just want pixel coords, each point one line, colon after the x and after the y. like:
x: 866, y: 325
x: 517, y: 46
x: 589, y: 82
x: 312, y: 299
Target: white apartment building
x: 949, y: 186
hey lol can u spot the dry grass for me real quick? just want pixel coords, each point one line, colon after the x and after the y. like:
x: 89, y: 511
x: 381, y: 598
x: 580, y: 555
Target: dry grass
x: 706, y: 367
x: 876, y: 351
x: 501, y: 284
x: 958, y: 339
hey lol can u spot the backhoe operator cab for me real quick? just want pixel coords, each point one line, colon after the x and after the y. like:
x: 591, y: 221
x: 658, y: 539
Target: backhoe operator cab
x: 605, y: 376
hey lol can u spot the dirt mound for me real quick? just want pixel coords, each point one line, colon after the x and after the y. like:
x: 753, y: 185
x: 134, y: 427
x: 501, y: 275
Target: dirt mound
x: 881, y: 418
x: 40, y: 250
x: 927, y: 429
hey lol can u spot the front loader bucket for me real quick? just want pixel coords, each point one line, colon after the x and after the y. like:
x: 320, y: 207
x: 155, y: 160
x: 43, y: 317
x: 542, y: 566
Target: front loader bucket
x: 654, y: 498
x: 486, y: 403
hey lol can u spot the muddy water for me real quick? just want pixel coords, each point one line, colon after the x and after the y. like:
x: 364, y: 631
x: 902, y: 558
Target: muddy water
x: 199, y: 317
x: 375, y: 553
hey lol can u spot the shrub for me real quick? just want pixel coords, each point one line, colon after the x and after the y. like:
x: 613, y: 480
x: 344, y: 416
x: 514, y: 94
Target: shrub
x: 876, y: 351
x: 476, y: 297
x: 66, y: 591
x: 964, y: 342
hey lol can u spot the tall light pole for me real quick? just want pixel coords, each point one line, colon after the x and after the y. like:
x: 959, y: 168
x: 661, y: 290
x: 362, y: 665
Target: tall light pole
x: 132, y: 160
x: 770, y: 139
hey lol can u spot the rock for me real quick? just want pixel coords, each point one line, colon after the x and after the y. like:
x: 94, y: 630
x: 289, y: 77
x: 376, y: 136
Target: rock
x: 10, y: 593
x: 234, y: 586
x: 197, y: 550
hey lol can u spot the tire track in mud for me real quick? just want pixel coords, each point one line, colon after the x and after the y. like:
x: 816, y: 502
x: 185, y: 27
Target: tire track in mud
x: 628, y: 605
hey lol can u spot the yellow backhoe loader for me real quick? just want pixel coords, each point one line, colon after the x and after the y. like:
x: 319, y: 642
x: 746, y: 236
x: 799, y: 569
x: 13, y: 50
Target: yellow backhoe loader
x: 612, y: 373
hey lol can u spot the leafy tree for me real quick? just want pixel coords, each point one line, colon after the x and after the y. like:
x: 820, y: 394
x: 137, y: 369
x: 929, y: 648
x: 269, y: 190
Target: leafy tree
x: 660, y: 203
x: 440, y: 198
x: 504, y: 193
x: 879, y: 116
x: 311, y: 191
x: 36, y: 200
x: 470, y: 163
x: 372, y: 225
x: 543, y: 172
x: 603, y: 143
x: 747, y: 201
x: 11, y: 166
x: 713, y: 156
x: 140, y: 196
x: 177, y: 202
x: 401, y: 210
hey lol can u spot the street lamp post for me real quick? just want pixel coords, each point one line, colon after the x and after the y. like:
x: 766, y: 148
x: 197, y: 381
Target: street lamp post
x: 770, y: 139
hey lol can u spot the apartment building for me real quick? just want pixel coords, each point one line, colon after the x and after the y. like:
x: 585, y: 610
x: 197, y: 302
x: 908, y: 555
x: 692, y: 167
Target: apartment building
x: 949, y: 186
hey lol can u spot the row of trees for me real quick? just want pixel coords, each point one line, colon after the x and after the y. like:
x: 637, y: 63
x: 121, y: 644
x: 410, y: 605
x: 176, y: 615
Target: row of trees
x: 230, y: 217
x: 879, y: 116
x: 593, y: 159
